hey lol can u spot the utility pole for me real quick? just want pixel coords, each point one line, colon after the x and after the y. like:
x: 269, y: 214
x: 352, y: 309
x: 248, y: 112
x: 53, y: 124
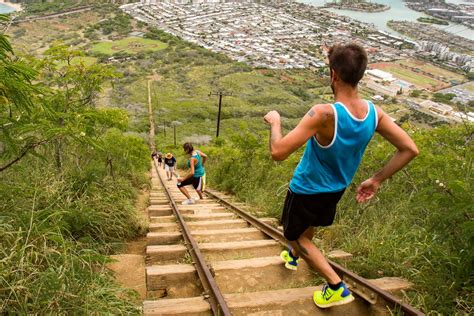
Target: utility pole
x: 151, y: 118
x: 174, y: 134
x: 174, y: 124
x: 164, y: 128
x: 220, y: 94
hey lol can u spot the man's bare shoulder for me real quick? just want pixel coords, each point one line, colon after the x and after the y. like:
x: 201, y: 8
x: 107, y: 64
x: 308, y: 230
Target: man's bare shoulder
x: 380, y: 114
x: 379, y: 110
x: 320, y: 115
x: 320, y: 110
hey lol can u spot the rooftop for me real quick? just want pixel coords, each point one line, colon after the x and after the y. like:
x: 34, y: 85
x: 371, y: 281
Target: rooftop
x: 380, y: 74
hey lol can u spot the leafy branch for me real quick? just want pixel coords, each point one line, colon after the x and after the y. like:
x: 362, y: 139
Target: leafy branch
x: 25, y: 150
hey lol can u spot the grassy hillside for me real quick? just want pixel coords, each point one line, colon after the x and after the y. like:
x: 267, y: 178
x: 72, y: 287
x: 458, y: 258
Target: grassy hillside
x: 38, y: 7
x: 127, y: 45
x: 56, y: 232
x: 69, y: 176
x: 185, y: 75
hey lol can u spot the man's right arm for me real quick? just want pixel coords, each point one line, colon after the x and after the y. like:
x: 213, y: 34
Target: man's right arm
x: 283, y: 146
x: 406, y: 151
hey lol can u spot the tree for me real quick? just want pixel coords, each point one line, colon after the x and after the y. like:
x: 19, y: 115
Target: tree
x: 51, y: 101
x: 72, y: 89
x: 415, y: 93
x: 443, y: 97
x: 22, y: 128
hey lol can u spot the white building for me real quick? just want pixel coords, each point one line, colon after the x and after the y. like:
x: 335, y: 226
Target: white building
x: 382, y: 88
x: 440, y: 108
x: 380, y: 75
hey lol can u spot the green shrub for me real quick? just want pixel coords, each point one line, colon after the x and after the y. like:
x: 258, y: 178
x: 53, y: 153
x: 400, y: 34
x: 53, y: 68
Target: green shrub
x: 443, y: 97
x: 57, y: 229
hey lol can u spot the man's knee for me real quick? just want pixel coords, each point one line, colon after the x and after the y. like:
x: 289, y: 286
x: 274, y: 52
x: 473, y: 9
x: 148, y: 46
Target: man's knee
x: 309, y: 233
x: 301, y: 245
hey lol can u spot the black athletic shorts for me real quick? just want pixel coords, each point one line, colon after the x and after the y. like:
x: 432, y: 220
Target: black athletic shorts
x: 198, y: 183
x: 304, y: 210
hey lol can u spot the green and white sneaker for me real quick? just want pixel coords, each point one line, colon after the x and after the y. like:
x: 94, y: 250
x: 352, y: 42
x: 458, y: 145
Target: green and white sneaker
x: 291, y: 262
x: 328, y: 297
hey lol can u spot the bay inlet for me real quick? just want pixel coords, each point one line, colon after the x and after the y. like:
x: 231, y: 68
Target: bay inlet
x: 399, y: 12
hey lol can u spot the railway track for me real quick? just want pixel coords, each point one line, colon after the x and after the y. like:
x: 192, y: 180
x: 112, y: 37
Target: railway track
x: 213, y: 258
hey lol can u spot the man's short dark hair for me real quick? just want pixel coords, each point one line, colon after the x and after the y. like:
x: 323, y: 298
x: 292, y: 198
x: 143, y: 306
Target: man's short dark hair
x: 349, y: 62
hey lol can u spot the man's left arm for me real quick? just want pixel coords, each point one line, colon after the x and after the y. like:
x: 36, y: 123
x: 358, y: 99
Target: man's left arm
x: 281, y: 147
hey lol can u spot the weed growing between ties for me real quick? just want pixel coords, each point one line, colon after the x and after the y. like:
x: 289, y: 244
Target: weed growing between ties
x: 418, y: 227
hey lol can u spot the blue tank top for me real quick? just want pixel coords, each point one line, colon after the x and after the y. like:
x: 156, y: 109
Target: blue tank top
x: 198, y: 168
x: 331, y: 168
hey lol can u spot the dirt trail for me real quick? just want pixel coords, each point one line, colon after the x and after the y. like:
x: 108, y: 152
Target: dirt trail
x: 130, y: 265
x: 129, y: 268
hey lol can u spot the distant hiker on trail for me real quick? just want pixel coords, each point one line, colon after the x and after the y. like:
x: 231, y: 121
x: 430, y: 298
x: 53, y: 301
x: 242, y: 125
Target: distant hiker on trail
x: 170, y: 162
x: 160, y: 158
x: 196, y: 175
x: 154, y: 154
x: 336, y: 136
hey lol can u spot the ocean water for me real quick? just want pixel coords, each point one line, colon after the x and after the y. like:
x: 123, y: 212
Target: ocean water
x: 5, y: 8
x: 398, y: 11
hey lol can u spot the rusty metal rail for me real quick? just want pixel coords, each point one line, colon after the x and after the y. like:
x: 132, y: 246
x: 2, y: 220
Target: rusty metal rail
x: 358, y: 285
x: 213, y: 294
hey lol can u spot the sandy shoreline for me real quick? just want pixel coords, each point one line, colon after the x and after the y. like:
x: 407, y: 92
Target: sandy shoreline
x: 15, y: 6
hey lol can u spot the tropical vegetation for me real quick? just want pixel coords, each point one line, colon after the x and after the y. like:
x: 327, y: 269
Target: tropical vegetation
x: 69, y: 177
